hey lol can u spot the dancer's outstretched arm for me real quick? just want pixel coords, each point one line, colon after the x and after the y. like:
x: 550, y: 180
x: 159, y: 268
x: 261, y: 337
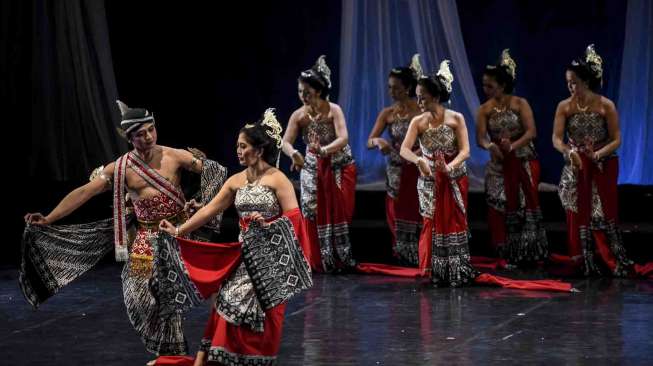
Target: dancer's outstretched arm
x: 75, y: 198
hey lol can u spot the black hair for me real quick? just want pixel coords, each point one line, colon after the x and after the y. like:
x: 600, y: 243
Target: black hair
x: 257, y: 135
x: 501, y: 76
x: 435, y: 86
x: 584, y: 72
x: 316, y: 81
x: 407, y: 78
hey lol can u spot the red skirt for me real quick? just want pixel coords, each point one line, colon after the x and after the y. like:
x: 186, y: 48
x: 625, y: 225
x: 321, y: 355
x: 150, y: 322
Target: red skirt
x: 595, y: 242
x: 209, y: 265
x: 328, y: 247
x: 239, y: 345
x: 517, y: 233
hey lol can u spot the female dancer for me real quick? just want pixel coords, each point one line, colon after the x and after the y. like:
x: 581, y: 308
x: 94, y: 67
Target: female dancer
x: 246, y: 322
x: 588, y: 185
x: 328, y: 173
x: 401, y: 204
x: 506, y: 128
x: 442, y: 186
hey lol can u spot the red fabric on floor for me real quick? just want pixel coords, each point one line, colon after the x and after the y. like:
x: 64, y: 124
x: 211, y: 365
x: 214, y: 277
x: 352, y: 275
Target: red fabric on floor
x: 386, y: 269
x: 536, y: 285
x: 487, y: 263
x: 175, y: 361
x: 645, y: 270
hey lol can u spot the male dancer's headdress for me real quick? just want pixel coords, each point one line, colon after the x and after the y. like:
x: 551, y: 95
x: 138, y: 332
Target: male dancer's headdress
x: 133, y: 118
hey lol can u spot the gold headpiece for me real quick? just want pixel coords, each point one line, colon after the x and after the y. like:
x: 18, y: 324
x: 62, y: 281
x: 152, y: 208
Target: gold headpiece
x: 416, y: 66
x: 594, y: 61
x: 322, y: 68
x: 508, y: 62
x: 445, y: 75
x: 270, y: 120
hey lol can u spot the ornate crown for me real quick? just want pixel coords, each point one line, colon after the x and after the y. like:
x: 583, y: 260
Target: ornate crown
x: 418, y: 72
x: 594, y: 61
x: 274, y: 127
x: 445, y: 75
x: 274, y: 131
x: 509, y: 63
x: 322, y: 69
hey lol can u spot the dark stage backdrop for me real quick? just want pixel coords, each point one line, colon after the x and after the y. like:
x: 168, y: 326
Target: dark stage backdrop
x: 60, y: 124
x: 73, y: 111
x: 206, y: 69
x: 543, y: 37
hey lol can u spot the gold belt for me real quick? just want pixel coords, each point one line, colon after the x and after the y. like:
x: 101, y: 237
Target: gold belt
x: 175, y: 219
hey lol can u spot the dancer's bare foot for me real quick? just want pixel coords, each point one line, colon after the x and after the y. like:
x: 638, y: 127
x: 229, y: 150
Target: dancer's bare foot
x: 151, y: 363
x: 200, y: 358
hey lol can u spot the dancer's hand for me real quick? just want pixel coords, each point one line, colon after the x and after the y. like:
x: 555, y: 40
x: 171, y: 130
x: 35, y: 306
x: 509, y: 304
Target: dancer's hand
x: 297, y: 161
x: 575, y: 159
x: 314, y: 142
x: 448, y: 168
x: 506, y: 146
x: 191, y: 207
x: 442, y: 166
x: 196, y: 152
x: 256, y: 216
x: 424, y: 168
x: 588, y: 148
x: 495, y: 152
x: 596, y: 155
x: 169, y: 228
x: 382, y: 144
x: 36, y: 219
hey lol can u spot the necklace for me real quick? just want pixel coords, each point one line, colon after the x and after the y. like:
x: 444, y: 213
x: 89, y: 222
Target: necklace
x: 397, y: 112
x: 314, y: 118
x: 582, y: 109
x: 312, y: 114
x: 498, y: 108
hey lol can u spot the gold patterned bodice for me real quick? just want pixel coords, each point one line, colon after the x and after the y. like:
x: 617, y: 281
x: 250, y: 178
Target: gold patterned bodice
x: 439, y: 139
x: 504, y: 123
x: 583, y: 127
x: 508, y: 124
x: 256, y: 198
x: 324, y: 129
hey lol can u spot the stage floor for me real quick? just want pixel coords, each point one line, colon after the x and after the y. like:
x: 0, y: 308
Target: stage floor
x: 358, y: 320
